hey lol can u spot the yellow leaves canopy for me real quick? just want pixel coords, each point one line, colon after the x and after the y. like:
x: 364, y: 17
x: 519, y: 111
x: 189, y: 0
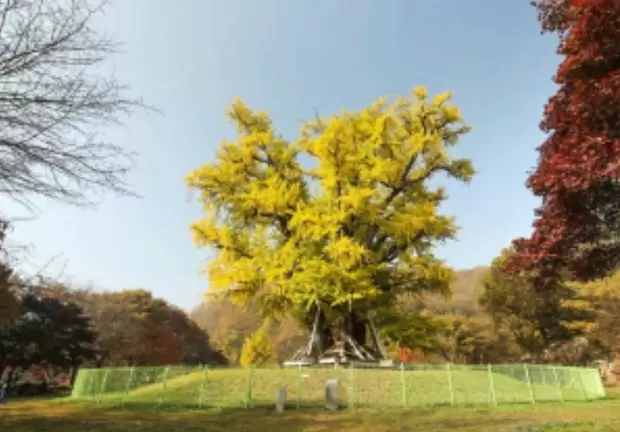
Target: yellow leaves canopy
x: 354, y: 224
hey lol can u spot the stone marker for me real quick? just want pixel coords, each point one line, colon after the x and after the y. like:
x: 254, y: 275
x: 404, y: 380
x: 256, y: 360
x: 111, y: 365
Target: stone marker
x: 331, y: 394
x: 281, y: 399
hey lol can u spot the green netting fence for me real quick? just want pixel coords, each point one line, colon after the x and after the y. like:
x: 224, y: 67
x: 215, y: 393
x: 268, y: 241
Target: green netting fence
x: 402, y: 386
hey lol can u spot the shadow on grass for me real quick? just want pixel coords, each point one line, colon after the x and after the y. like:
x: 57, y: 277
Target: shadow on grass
x: 68, y: 415
x: 63, y: 417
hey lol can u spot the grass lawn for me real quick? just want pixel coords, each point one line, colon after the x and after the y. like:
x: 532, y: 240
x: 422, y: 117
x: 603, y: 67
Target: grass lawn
x: 59, y: 416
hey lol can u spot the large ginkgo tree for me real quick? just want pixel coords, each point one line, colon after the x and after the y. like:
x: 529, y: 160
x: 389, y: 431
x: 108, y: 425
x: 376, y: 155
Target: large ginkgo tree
x: 333, y: 227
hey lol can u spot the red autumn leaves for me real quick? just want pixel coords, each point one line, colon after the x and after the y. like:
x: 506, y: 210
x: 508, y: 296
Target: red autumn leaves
x: 579, y: 163
x: 408, y: 356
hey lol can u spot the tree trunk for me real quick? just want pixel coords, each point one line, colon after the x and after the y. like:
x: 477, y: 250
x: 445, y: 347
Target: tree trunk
x: 342, y: 340
x: 356, y: 327
x: 73, y: 376
x: 2, y: 366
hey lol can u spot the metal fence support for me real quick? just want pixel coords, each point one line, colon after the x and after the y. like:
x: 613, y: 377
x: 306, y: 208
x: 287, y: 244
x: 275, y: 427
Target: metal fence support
x: 493, y: 399
x: 299, y: 386
x: 90, y: 386
x: 352, y: 387
x: 403, y: 385
x: 104, y: 382
x: 557, y: 383
x: 163, y: 388
x: 203, y: 384
x: 450, y: 386
x: 248, y: 392
x: 529, y: 383
x: 128, y: 385
x: 582, y: 384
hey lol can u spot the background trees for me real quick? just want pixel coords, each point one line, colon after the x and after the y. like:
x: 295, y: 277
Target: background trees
x: 59, y: 329
x: 48, y: 332
x: 344, y: 237
x: 135, y: 328
x: 9, y: 304
x: 601, y: 298
x: 534, y: 319
x: 229, y: 326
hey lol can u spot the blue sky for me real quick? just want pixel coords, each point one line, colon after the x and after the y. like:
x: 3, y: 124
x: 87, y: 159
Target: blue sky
x: 189, y: 58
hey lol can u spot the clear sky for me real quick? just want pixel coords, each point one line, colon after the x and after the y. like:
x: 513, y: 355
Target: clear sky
x: 189, y: 58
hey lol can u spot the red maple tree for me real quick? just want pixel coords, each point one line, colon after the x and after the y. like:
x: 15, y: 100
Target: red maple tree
x: 576, y: 227
x: 160, y: 346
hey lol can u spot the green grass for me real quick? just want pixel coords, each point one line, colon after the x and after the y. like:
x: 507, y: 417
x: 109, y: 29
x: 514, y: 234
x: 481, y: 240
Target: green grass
x: 235, y: 388
x: 54, y: 416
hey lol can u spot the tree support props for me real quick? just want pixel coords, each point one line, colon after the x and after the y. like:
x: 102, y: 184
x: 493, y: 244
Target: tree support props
x: 341, y: 341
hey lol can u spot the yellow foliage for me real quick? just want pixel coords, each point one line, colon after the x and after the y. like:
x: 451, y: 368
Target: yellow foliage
x: 600, y: 298
x: 355, y: 222
x: 257, y: 349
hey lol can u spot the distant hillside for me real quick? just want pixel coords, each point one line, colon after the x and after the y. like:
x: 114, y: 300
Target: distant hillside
x: 465, y: 291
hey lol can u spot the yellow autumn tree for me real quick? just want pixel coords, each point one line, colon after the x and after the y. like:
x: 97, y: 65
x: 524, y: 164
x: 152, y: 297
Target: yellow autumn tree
x: 538, y: 321
x: 257, y: 349
x: 336, y: 225
x: 602, y: 299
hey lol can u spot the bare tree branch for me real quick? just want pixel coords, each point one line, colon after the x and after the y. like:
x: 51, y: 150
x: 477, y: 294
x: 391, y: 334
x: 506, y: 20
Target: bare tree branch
x: 52, y: 99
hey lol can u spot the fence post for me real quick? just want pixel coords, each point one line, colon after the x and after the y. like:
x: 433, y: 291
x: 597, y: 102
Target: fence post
x: 163, y: 389
x: 203, y: 384
x: 583, y: 385
x: 403, y: 385
x: 128, y: 385
x: 352, y: 393
x: 248, y: 393
x: 299, y: 386
x: 557, y: 383
x: 91, y: 384
x: 103, y: 384
x: 529, y: 383
x: 491, y: 385
x: 450, y: 386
